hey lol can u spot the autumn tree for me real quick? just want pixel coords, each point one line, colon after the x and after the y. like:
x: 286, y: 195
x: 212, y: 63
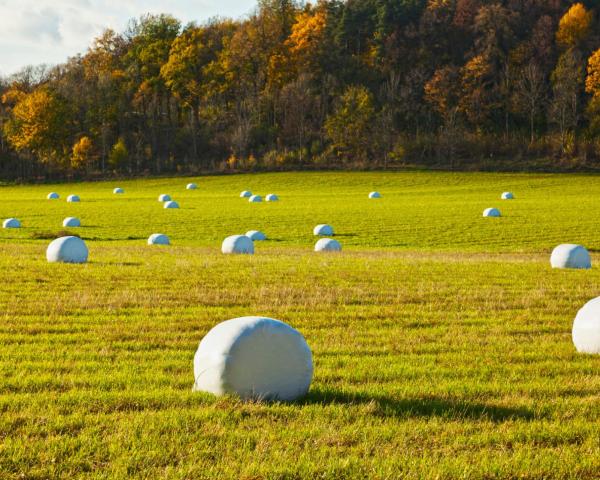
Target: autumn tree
x: 567, y: 86
x: 574, y: 26
x: 82, y: 153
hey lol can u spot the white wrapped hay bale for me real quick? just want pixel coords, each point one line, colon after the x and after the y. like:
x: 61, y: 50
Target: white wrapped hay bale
x: 11, y: 223
x: 256, y: 235
x: 508, y: 196
x: 191, y: 186
x: 254, y: 358
x: 171, y: 204
x: 158, y: 239
x: 328, y: 245
x: 67, y: 250
x: 71, y: 222
x: 53, y: 196
x: 569, y: 255
x: 246, y: 194
x: 323, y: 230
x: 491, y: 212
x: 374, y: 195
x: 73, y: 199
x: 163, y: 197
x: 118, y: 190
x: 255, y: 199
x: 586, y: 328
x: 237, y: 244
x: 271, y: 197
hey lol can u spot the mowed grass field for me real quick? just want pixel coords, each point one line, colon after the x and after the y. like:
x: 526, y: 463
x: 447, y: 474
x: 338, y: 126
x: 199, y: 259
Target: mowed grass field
x: 441, y: 340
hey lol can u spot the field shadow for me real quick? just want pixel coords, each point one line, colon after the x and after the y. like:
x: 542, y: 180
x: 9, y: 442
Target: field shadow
x: 423, y: 407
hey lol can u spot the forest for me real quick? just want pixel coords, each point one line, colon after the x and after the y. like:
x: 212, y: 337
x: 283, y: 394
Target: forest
x: 356, y: 84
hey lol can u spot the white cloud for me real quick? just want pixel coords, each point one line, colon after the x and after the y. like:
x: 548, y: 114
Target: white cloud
x: 50, y: 31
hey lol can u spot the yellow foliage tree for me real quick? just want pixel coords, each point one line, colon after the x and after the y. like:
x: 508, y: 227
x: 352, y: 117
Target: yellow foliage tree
x: 82, y: 152
x: 574, y: 26
x: 306, y: 37
x: 592, y: 81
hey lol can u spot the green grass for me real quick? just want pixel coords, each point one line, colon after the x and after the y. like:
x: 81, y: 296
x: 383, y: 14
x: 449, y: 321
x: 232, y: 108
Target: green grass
x: 441, y: 339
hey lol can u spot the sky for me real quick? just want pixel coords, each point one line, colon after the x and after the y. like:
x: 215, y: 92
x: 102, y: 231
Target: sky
x: 49, y: 31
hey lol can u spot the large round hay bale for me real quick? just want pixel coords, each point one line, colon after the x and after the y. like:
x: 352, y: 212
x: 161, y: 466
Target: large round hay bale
x: 71, y: 222
x: 118, y: 190
x: 254, y: 358
x: 491, y: 212
x: 53, y: 196
x: 586, y: 328
x: 158, y: 239
x: 323, y: 230
x: 11, y: 223
x: 163, y: 197
x: 328, y: 245
x: 255, y: 199
x: 256, y: 235
x: 246, y: 194
x: 191, y: 186
x: 73, y: 199
x: 271, y: 197
x: 67, y: 250
x: 237, y: 244
x: 374, y: 195
x: 508, y: 196
x: 569, y: 255
x: 171, y: 204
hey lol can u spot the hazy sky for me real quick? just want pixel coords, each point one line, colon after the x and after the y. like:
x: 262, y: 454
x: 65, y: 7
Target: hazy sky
x: 49, y: 31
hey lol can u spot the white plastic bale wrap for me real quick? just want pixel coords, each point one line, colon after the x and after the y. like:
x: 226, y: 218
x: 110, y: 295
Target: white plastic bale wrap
x: 569, y: 255
x: 73, y: 199
x: 11, y: 223
x: 586, y: 328
x: 323, y: 230
x: 118, y: 190
x: 491, y: 212
x: 163, y: 197
x: 256, y: 235
x: 191, y: 186
x: 171, y: 204
x: 254, y: 358
x: 237, y: 244
x: 67, y: 250
x: 271, y: 197
x: 246, y: 194
x: 374, y: 195
x: 158, y: 239
x: 255, y: 199
x: 328, y: 245
x: 53, y: 196
x: 71, y: 222
x: 507, y: 196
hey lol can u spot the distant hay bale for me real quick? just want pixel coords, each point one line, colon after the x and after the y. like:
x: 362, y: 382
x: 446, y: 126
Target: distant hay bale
x: 71, y: 222
x: 11, y: 223
x: 586, y: 328
x: 508, y: 196
x: 271, y: 197
x: 323, y: 230
x: 158, y: 239
x: 67, y: 250
x: 73, y: 199
x: 256, y: 235
x: 374, y: 195
x: 246, y: 194
x: 328, y: 245
x: 569, y: 255
x: 53, y: 196
x: 237, y: 244
x: 191, y: 186
x: 255, y: 199
x: 171, y: 204
x: 118, y: 190
x: 491, y: 212
x: 163, y: 197
x: 254, y: 358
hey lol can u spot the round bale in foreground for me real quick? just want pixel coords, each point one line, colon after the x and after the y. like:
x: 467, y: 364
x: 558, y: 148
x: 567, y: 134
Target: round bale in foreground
x: 256, y: 235
x: 569, y: 255
x: 328, y: 245
x: 11, y: 223
x: 73, y: 199
x: 246, y: 194
x: 237, y: 244
x: 67, y: 250
x: 374, y: 195
x: 271, y: 197
x: 158, y: 239
x: 118, y: 190
x: 163, y: 197
x: 586, y: 328
x: 171, y: 204
x: 255, y: 358
x: 191, y: 186
x: 323, y: 230
x: 71, y: 222
x: 53, y: 196
x: 255, y: 199
x: 508, y: 196
x: 491, y: 212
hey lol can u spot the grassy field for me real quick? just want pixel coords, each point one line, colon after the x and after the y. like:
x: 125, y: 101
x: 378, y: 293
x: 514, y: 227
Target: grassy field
x: 441, y: 339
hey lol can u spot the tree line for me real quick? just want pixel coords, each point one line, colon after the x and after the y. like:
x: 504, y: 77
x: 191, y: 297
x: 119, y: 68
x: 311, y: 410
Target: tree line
x: 354, y: 84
